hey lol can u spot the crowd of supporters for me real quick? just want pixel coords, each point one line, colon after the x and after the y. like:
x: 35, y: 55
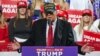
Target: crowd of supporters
x: 19, y: 28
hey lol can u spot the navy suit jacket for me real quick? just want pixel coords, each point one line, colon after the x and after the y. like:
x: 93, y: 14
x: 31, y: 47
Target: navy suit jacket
x: 63, y: 35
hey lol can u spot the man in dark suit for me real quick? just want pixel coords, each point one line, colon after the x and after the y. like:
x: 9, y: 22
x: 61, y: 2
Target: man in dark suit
x: 61, y: 30
x: 53, y: 31
x: 61, y: 33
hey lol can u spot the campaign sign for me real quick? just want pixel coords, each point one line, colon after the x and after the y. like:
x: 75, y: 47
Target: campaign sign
x: 49, y: 51
x: 92, y: 38
x: 9, y: 7
x: 74, y: 17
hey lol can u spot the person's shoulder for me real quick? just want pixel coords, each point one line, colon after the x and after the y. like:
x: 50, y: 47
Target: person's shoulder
x: 76, y: 27
x: 94, y: 26
x: 40, y: 21
x: 12, y: 19
x: 64, y: 21
x: 96, y: 22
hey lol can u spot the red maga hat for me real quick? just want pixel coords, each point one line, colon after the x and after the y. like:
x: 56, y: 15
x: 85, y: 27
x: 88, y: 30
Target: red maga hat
x: 87, y: 12
x: 21, y: 4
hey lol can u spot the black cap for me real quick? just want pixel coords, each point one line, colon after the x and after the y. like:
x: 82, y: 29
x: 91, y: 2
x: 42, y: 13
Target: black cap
x: 49, y: 7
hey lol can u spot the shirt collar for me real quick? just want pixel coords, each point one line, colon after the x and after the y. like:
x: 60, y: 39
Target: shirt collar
x: 54, y: 22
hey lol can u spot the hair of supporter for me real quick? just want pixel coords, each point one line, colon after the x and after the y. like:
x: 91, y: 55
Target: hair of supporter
x: 64, y: 5
x: 82, y: 24
x: 60, y: 2
x: 18, y: 17
x: 39, y: 3
x: 2, y: 20
x: 33, y: 6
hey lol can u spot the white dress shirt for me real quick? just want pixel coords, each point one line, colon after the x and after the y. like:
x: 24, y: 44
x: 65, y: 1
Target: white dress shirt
x: 53, y: 27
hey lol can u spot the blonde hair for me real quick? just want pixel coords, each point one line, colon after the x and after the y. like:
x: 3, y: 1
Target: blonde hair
x: 33, y: 6
x: 64, y: 5
x: 81, y: 25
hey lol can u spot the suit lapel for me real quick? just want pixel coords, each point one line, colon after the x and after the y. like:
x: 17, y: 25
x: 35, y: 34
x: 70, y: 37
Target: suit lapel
x: 58, y: 33
x: 44, y: 31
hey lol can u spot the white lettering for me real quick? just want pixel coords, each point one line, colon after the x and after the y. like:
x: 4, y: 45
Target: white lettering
x: 9, y: 8
x: 38, y: 53
x: 60, y: 53
x: 50, y: 53
x: 74, y: 20
x: 54, y: 53
x: 90, y: 38
x: 43, y: 53
x: 75, y: 16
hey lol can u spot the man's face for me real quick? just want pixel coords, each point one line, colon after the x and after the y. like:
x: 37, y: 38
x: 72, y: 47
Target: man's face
x: 51, y: 16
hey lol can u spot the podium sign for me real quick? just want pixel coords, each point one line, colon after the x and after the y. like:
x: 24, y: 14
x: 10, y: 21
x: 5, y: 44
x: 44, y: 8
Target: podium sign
x: 49, y: 51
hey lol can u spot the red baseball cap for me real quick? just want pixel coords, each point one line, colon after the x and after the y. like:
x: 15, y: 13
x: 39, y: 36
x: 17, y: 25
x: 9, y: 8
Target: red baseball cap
x: 21, y: 4
x: 87, y: 12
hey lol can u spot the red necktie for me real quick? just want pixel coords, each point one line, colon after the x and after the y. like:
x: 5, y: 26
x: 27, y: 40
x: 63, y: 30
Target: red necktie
x: 50, y: 36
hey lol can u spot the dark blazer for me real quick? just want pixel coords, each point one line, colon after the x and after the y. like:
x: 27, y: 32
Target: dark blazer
x: 63, y: 35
